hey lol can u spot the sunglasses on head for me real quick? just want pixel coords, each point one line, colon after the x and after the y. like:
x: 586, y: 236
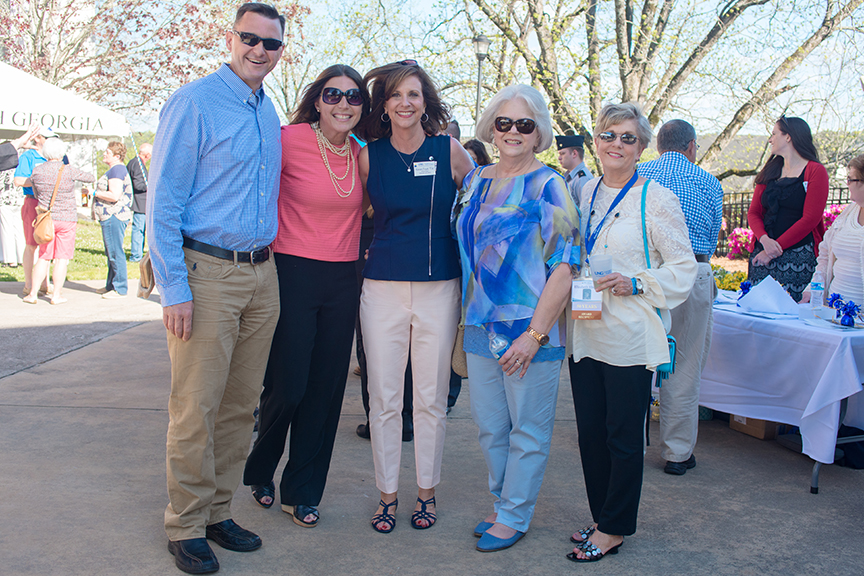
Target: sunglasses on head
x: 333, y: 96
x: 523, y: 125
x: 628, y: 139
x: 270, y: 44
x: 408, y: 63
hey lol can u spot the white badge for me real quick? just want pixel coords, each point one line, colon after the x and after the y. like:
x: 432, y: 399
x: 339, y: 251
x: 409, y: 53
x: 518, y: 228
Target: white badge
x: 586, y: 303
x: 425, y: 168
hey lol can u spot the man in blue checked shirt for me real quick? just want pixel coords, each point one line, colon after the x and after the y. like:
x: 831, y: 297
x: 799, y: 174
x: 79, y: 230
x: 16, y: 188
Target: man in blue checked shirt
x: 701, y: 200
x: 211, y: 213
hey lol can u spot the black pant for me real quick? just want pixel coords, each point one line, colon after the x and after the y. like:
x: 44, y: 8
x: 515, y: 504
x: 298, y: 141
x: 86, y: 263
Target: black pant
x: 611, y: 404
x: 306, y: 373
x: 367, y: 231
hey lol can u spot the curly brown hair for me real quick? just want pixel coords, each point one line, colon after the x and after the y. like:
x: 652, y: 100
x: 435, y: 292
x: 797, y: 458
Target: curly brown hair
x: 382, y: 82
x: 118, y: 149
x: 306, y: 112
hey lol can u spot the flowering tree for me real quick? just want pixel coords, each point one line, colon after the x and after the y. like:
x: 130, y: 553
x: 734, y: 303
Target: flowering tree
x: 119, y: 53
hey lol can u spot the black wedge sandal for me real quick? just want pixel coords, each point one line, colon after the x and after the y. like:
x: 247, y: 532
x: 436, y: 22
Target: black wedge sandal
x: 261, y: 491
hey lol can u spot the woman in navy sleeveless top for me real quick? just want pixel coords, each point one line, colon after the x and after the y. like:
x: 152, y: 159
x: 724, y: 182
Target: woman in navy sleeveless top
x: 411, y: 292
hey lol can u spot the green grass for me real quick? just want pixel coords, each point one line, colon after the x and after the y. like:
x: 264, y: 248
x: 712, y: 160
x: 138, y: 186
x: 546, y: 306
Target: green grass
x: 89, y: 262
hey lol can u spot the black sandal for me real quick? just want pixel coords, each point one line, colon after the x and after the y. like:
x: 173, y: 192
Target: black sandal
x: 584, y: 533
x: 385, y: 516
x: 592, y: 552
x: 422, y: 514
x: 260, y: 491
x: 299, y: 513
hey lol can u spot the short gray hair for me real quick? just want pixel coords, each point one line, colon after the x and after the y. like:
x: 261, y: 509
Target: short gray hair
x: 54, y: 149
x: 675, y: 135
x: 536, y: 104
x: 614, y: 114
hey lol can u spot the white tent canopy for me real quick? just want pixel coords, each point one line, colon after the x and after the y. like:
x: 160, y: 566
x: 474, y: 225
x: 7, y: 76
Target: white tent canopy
x: 26, y: 99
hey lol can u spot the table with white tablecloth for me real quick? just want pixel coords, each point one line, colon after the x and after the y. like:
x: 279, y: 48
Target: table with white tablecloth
x: 788, y: 371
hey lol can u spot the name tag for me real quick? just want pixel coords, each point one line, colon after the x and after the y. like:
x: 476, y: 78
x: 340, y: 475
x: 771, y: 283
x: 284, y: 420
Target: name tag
x: 585, y: 302
x: 425, y: 168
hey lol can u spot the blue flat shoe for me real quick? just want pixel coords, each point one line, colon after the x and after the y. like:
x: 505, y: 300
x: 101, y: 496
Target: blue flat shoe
x: 490, y: 543
x: 481, y: 528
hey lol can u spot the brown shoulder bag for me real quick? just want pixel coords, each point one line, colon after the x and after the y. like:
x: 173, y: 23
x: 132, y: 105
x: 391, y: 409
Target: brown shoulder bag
x: 43, y: 225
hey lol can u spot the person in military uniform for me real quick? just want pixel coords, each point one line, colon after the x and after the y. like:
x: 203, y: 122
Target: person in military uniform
x: 570, y: 156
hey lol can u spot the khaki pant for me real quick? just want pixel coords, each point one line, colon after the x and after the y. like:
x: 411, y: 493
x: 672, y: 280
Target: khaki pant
x: 216, y: 379
x: 396, y: 316
x: 692, y: 324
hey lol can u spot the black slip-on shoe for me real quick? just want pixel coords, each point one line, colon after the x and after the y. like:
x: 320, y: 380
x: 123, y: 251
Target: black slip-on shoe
x: 193, y: 556
x: 232, y: 537
x: 680, y: 468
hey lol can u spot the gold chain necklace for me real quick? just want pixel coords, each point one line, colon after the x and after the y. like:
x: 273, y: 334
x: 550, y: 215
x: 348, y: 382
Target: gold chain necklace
x: 345, y: 150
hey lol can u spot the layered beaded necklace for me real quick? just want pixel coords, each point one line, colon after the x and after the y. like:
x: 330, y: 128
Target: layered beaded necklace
x: 345, y: 150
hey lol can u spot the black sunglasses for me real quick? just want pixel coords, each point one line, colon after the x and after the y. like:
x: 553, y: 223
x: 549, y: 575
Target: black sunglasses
x: 333, y: 96
x: 408, y: 63
x: 628, y: 139
x: 270, y: 44
x: 523, y: 125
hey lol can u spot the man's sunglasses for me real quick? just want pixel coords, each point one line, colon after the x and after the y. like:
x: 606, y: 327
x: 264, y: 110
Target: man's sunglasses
x: 523, y: 125
x: 270, y: 44
x: 628, y: 139
x: 333, y: 96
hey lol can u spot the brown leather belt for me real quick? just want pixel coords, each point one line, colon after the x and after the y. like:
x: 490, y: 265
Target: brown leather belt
x: 235, y: 256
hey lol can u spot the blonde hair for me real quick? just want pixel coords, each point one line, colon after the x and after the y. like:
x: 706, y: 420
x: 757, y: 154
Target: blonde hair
x: 614, y: 114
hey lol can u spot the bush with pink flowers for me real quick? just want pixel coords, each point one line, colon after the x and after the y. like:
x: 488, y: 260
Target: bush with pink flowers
x: 830, y: 214
x: 738, y: 241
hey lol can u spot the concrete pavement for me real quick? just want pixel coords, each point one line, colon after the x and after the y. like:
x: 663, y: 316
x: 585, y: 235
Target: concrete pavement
x: 83, y: 396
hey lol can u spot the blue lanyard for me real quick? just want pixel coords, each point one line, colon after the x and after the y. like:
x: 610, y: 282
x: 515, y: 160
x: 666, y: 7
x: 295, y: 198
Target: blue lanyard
x: 591, y: 237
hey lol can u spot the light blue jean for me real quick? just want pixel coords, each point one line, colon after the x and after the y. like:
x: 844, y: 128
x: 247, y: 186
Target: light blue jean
x: 515, y: 417
x: 137, y: 236
x: 113, y: 231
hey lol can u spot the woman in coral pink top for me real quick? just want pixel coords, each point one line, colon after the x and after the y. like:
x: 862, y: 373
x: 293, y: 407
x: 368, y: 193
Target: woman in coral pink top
x: 320, y: 208
x: 786, y: 212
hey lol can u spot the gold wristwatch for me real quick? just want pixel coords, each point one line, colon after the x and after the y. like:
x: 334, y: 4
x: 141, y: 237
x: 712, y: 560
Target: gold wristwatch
x: 542, y: 339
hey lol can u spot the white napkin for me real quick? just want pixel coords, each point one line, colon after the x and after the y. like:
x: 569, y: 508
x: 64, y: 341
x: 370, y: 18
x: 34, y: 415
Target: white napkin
x: 769, y: 296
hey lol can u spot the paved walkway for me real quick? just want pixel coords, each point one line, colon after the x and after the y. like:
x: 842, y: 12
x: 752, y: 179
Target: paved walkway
x: 83, y: 418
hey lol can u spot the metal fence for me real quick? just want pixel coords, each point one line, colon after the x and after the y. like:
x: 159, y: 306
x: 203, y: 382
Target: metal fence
x: 736, y: 205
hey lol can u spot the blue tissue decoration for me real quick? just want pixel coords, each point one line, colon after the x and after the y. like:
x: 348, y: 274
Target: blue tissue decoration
x: 850, y: 310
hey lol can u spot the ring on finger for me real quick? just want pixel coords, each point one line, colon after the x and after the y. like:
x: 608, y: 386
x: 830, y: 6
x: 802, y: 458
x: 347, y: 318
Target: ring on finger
x: 518, y: 362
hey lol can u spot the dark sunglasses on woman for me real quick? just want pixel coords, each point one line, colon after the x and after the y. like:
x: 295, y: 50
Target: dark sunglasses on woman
x: 270, y: 44
x: 628, y: 139
x: 333, y: 96
x: 523, y: 125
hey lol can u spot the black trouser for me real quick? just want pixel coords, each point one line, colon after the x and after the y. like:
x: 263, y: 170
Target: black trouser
x: 366, y: 234
x: 611, y: 404
x: 306, y: 373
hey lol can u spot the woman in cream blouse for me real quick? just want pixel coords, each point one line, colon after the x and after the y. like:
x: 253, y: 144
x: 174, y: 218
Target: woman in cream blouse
x: 613, y: 358
x: 841, y: 253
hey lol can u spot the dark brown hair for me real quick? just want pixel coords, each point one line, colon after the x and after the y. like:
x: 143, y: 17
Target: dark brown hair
x: 857, y: 164
x: 265, y: 10
x: 306, y: 112
x: 382, y: 82
x: 479, y: 150
x: 802, y: 142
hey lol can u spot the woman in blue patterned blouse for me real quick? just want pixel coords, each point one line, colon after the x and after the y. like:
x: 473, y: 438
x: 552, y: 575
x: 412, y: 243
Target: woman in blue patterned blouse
x: 518, y: 238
